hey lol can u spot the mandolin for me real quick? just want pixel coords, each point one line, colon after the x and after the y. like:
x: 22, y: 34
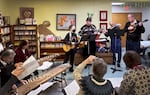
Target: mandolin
x: 134, y: 26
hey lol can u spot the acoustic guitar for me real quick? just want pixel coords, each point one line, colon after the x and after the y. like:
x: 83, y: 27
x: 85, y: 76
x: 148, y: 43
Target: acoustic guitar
x: 134, y: 26
x: 68, y: 47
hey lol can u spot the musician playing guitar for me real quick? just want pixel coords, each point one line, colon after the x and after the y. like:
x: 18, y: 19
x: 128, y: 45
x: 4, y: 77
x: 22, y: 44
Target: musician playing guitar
x: 134, y: 28
x: 70, y: 39
x: 88, y: 29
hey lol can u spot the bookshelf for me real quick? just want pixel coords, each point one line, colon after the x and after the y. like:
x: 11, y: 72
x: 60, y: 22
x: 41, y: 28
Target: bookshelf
x: 26, y: 32
x: 5, y: 33
x: 49, y: 47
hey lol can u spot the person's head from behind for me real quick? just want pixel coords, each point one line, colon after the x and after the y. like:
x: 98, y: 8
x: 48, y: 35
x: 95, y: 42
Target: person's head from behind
x: 23, y: 44
x: 88, y: 21
x: 131, y: 17
x: 7, y: 55
x: 131, y: 59
x: 72, y: 28
x: 99, y: 68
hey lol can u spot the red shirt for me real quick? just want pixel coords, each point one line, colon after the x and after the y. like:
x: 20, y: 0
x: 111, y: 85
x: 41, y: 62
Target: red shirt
x: 21, y: 56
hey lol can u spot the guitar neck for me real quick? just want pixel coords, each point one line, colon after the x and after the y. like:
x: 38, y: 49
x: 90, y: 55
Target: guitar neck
x: 36, y: 81
x: 141, y: 22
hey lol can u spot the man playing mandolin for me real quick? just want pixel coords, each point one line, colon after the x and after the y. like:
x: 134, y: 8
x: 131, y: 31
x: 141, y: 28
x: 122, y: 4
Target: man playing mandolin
x: 134, y: 28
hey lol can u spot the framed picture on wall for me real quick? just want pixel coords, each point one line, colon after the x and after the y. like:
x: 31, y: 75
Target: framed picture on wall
x: 26, y: 12
x: 63, y: 21
x: 103, y: 26
x: 103, y: 15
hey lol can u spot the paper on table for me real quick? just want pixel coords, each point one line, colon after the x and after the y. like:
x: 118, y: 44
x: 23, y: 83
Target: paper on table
x: 30, y: 66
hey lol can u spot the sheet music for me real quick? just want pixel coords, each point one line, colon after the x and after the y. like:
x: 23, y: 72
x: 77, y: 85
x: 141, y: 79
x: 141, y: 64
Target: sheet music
x: 72, y: 89
x: 42, y: 87
x: 30, y: 66
x: 145, y: 44
x: 116, y: 82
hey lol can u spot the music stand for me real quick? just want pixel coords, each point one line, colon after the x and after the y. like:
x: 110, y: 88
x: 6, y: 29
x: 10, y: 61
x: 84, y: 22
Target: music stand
x: 115, y: 32
x: 89, y: 38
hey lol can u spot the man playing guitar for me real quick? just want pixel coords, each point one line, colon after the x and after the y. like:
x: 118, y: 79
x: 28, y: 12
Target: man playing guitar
x: 133, y: 33
x: 88, y: 29
x: 70, y: 39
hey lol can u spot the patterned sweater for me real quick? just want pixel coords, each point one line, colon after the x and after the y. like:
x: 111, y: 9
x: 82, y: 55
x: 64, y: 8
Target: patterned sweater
x: 136, y: 82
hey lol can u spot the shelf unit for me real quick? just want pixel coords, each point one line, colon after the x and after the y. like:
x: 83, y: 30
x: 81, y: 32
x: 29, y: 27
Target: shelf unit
x: 49, y: 47
x: 26, y: 32
x: 5, y: 33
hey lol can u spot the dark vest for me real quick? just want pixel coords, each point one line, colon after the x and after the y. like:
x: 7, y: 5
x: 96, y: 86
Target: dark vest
x: 90, y: 88
x: 5, y: 73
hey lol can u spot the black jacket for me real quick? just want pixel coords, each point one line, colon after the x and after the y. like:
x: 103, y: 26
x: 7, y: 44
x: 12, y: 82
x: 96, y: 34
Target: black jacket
x: 87, y: 29
x: 136, y: 35
x: 8, y: 85
x: 73, y: 38
x: 5, y: 72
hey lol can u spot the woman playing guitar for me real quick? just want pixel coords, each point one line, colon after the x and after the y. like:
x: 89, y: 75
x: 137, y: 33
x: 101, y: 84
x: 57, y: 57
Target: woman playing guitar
x: 70, y: 39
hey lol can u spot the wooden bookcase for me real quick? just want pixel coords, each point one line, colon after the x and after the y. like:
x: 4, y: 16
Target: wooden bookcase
x: 49, y: 47
x: 26, y: 32
x: 5, y: 33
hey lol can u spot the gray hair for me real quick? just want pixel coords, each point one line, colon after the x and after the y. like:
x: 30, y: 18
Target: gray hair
x: 6, y: 53
x: 99, y: 67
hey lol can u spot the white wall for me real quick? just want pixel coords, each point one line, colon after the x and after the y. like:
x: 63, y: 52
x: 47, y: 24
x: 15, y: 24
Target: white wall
x: 145, y: 15
x: 47, y: 10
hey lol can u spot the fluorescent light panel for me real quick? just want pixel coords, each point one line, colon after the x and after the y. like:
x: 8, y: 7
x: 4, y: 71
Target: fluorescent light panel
x: 117, y: 3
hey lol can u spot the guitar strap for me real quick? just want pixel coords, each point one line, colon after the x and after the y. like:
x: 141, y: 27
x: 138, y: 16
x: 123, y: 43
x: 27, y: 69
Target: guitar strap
x: 70, y: 36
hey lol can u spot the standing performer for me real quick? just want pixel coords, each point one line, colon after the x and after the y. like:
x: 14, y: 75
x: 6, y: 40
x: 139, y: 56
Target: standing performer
x: 115, y: 33
x: 133, y: 33
x: 88, y: 29
x: 70, y: 39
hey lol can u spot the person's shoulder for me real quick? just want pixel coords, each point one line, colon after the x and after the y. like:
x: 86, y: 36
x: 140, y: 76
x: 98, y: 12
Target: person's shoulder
x: 1, y: 65
x: 83, y: 26
x: 128, y: 22
x: 18, y: 49
x: 93, y: 25
x: 137, y: 21
x: 137, y: 72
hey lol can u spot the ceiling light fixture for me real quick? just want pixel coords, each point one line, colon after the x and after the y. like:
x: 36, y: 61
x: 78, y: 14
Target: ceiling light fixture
x: 117, y: 3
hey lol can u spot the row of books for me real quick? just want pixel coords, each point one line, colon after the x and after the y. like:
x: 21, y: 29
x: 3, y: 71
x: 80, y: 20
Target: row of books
x: 25, y: 33
x: 52, y: 45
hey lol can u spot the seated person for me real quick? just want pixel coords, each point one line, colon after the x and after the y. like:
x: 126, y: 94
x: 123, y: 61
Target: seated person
x: 101, y: 48
x: 93, y: 84
x: 22, y: 52
x: 136, y: 80
x: 13, y: 79
x: 6, y: 65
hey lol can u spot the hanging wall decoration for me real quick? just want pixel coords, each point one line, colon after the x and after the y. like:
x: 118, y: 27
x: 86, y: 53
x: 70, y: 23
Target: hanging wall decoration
x: 26, y: 12
x: 103, y: 15
x: 103, y: 26
x: 63, y: 21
